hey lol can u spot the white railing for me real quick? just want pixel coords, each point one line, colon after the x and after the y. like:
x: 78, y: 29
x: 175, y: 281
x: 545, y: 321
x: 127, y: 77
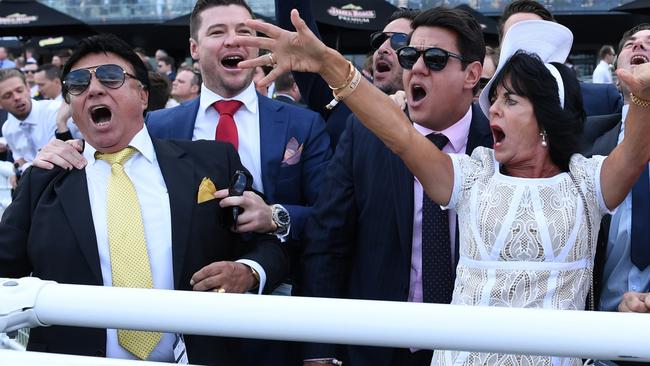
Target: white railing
x: 599, y: 335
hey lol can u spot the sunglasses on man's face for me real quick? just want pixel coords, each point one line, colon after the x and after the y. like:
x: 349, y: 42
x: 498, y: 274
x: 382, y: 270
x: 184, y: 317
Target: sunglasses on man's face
x: 435, y: 58
x: 397, y: 40
x: 110, y: 75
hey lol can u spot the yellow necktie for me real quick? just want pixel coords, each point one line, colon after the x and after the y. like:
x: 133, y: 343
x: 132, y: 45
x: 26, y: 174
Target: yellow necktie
x: 128, y: 247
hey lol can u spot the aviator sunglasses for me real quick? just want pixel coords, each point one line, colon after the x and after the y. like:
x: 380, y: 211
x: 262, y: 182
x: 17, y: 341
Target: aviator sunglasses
x: 110, y: 75
x: 397, y: 40
x: 435, y: 58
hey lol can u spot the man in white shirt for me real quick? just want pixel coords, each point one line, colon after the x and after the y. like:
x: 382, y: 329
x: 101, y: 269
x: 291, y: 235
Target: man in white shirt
x: 31, y: 124
x: 181, y: 234
x: 602, y: 73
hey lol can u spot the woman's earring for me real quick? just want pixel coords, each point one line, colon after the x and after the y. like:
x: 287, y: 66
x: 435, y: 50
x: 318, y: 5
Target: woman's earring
x: 544, y: 142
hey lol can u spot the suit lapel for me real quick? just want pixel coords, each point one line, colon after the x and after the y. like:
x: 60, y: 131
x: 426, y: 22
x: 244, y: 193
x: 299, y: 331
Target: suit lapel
x: 479, y: 131
x: 273, y: 135
x: 186, y: 130
x: 75, y: 201
x: 403, y: 203
x: 607, y: 142
x: 177, y: 171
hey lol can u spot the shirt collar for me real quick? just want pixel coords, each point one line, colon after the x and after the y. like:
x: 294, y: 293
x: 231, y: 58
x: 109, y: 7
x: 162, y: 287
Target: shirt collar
x: 248, y: 97
x: 141, y: 141
x: 456, y: 133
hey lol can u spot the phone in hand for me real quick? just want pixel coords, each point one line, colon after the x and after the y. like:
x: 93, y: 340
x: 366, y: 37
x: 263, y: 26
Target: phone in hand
x: 238, y: 184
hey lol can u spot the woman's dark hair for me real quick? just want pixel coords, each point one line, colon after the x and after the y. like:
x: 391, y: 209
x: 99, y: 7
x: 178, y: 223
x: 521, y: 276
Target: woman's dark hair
x: 524, y: 74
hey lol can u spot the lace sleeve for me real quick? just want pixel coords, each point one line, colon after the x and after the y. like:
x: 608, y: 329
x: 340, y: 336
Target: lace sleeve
x: 467, y: 169
x: 587, y: 173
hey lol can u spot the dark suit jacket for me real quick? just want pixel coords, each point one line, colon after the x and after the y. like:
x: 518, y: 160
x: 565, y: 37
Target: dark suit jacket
x: 48, y: 231
x: 314, y: 90
x: 285, y: 99
x: 293, y: 186
x: 601, y: 99
x: 359, y: 238
x: 603, y: 144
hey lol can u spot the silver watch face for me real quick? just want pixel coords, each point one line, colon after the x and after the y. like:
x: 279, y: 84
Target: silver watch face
x: 282, y: 216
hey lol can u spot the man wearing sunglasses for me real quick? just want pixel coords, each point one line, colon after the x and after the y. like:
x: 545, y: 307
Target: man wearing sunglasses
x: 387, y: 74
x: 368, y: 237
x: 131, y: 217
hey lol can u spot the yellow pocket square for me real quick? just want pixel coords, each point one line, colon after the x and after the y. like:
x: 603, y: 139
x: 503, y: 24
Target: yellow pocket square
x: 206, y: 191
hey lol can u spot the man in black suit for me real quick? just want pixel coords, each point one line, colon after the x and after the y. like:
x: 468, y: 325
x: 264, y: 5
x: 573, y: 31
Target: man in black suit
x: 60, y: 228
x: 365, y: 235
x: 286, y: 90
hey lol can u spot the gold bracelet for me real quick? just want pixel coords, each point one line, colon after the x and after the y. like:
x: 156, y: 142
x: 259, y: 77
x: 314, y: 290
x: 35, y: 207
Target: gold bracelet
x: 347, y: 79
x: 639, y: 101
x: 344, y: 92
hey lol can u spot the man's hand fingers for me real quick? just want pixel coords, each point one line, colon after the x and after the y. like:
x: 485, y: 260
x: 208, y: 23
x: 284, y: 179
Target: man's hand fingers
x: 633, y: 302
x: 211, y: 269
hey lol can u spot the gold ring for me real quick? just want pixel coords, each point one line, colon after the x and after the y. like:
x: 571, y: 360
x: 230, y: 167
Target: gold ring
x: 271, y: 59
x: 220, y: 290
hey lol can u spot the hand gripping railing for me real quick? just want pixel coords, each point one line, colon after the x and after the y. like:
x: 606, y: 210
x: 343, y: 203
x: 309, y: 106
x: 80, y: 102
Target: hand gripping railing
x: 601, y: 335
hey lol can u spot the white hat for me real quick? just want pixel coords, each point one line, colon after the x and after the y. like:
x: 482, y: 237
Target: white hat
x: 549, y: 40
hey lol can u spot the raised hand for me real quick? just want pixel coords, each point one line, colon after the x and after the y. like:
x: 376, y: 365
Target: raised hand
x: 297, y: 51
x: 637, y: 80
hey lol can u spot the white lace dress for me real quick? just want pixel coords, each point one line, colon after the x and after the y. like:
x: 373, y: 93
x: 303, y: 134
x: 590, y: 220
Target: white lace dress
x: 523, y: 243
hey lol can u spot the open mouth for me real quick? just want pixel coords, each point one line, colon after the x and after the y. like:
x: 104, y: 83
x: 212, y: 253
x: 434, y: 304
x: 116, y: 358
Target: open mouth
x: 497, y: 134
x: 638, y: 60
x: 100, y: 114
x: 230, y: 62
x: 417, y: 92
x: 382, y: 67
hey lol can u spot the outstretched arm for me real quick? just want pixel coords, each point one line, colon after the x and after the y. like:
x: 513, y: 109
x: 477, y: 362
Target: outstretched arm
x: 626, y: 162
x: 303, y: 51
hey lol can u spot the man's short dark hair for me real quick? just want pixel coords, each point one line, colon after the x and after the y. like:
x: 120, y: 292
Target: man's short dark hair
x: 168, y: 60
x: 629, y: 33
x: 403, y: 13
x: 201, y: 5
x: 105, y: 43
x: 606, y: 50
x: 159, y: 92
x: 52, y: 72
x: 468, y: 32
x: 284, y: 82
x: 523, y: 6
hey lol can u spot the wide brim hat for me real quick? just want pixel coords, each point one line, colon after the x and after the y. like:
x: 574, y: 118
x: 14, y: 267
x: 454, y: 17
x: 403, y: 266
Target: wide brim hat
x: 549, y: 40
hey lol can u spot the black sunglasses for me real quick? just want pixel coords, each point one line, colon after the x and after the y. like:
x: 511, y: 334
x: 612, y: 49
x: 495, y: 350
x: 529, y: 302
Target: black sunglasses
x: 397, y: 40
x: 435, y: 58
x: 110, y: 75
x: 29, y: 71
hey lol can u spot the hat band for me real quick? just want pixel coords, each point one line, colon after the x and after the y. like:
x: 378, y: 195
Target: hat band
x: 558, y: 80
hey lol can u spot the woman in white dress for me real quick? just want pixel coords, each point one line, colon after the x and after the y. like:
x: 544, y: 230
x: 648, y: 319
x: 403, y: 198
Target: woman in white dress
x: 530, y: 208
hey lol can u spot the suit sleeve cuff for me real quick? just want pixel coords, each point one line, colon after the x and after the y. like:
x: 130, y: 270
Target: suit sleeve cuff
x: 256, y: 266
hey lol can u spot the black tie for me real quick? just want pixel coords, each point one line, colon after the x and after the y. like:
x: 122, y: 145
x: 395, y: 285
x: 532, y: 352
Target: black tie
x: 640, y: 241
x: 437, y: 285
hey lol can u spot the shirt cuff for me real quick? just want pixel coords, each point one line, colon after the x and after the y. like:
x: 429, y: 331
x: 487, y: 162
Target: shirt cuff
x: 256, y: 266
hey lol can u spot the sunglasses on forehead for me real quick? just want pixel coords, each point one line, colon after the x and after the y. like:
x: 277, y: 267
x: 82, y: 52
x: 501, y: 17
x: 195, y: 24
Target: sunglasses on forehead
x: 111, y: 76
x: 435, y: 58
x: 397, y: 39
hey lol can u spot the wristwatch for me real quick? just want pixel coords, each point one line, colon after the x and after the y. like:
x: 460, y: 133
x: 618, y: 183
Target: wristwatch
x: 281, y: 219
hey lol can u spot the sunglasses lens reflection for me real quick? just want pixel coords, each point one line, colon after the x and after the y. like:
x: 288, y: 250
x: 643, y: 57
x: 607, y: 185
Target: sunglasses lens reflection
x: 111, y: 76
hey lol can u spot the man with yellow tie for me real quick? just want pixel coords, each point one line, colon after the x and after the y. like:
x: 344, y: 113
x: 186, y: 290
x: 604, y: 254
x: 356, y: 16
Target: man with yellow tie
x: 136, y: 216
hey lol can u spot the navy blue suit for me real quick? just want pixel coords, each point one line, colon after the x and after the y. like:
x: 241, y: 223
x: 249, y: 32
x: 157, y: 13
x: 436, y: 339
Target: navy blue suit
x: 293, y: 186
x: 601, y: 99
x: 359, y: 239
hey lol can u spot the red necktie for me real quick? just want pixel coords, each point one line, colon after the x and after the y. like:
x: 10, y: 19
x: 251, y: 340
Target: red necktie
x: 226, y: 128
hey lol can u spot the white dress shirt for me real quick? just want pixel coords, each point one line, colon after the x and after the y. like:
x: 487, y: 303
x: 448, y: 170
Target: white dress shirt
x: 144, y: 171
x: 602, y: 74
x: 26, y: 137
x: 247, y: 119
